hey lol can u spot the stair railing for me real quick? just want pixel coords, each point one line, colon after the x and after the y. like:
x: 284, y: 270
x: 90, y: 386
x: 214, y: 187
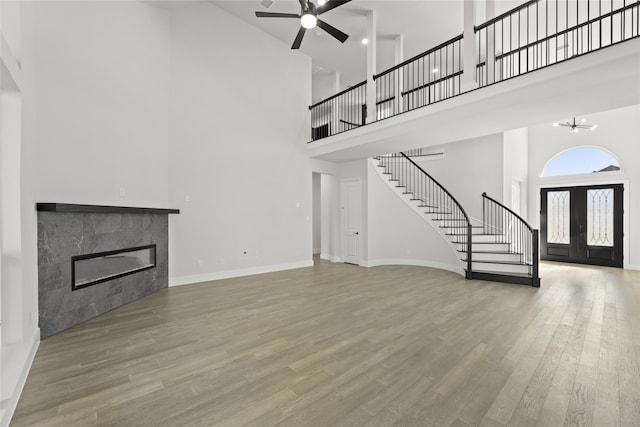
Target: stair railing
x: 433, y: 197
x: 509, y: 227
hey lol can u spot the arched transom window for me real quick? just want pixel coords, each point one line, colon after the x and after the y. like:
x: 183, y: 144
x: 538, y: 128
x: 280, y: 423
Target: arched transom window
x: 581, y: 160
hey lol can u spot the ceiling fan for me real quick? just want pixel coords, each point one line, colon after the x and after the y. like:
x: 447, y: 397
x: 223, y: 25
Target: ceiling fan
x: 574, y: 127
x: 309, y: 12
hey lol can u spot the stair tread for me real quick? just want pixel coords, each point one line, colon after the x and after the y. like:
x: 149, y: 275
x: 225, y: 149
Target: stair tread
x: 498, y: 262
x: 482, y: 243
x: 464, y: 234
x: 495, y: 252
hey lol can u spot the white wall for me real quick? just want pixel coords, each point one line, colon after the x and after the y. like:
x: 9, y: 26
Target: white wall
x: 617, y: 132
x: 469, y: 168
x: 18, y: 338
x: 398, y: 235
x: 329, y: 215
x: 238, y: 171
x: 323, y: 86
x: 516, y: 168
x: 97, y: 110
x: 316, y: 191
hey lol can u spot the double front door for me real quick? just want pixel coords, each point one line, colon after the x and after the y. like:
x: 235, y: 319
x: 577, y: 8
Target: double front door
x: 582, y: 224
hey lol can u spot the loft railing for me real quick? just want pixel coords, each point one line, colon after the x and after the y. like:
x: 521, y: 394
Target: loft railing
x: 429, y: 77
x: 343, y: 111
x: 529, y: 37
x: 509, y: 227
x: 540, y: 33
x: 433, y: 197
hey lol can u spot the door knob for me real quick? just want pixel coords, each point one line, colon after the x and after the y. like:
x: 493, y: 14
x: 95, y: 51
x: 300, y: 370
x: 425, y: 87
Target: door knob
x: 356, y: 233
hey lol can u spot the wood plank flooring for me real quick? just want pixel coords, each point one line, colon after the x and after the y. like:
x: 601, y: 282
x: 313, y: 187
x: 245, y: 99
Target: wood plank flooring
x: 340, y: 345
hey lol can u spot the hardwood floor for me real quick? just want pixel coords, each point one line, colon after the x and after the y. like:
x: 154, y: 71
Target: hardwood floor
x: 340, y: 345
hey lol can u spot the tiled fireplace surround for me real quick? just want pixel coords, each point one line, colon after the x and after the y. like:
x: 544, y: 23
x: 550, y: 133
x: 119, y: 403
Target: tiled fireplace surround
x: 66, y: 230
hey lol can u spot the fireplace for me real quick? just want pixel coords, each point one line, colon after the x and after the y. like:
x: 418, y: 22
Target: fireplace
x: 92, y: 259
x: 91, y: 269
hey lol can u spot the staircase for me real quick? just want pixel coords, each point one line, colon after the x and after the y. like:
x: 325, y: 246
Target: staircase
x: 501, y: 247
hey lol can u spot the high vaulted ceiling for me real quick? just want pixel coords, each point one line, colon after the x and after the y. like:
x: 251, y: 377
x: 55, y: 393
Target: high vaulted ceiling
x: 423, y: 23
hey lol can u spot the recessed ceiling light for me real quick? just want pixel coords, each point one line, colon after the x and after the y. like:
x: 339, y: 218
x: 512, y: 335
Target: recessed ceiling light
x: 321, y: 2
x: 365, y: 41
x: 435, y: 71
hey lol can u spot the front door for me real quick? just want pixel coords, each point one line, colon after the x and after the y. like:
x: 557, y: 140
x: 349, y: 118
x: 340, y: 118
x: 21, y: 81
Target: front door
x: 352, y: 219
x: 582, y: 224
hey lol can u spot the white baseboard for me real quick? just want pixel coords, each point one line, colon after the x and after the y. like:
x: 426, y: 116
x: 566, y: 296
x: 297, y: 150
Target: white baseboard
x: 336, y: 259
x: 325, y: 257
x: 415, y: 262
x: 632, y: 267
x: 228, y: 274
x: 20, y: 363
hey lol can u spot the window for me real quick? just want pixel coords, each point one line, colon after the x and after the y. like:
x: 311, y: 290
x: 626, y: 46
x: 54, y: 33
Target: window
x: 581, y: 160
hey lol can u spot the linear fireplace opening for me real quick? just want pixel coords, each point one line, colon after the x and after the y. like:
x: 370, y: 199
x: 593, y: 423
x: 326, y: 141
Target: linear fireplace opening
x: 91, y: 269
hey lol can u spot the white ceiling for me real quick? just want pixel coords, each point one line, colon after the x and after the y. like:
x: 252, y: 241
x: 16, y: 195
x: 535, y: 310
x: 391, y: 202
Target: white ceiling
x: 424, y: 24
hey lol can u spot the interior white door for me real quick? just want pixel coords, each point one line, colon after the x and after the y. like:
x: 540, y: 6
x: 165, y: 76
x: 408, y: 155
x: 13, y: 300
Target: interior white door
x: 352, y: 219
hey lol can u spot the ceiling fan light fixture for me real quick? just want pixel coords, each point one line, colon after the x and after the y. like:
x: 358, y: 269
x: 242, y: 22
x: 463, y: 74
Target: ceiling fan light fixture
x: 308, y: 21
x: 574, y: 126
x: 321, y: 2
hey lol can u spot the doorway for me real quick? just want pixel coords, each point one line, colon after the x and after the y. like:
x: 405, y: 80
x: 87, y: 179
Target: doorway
x: 352, y: 219
x: 582, y: 224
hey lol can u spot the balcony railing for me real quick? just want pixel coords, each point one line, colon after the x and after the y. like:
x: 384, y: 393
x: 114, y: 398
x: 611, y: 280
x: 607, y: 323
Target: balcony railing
x: 343, y: 111
x: 536, y: 34
x: 540, y: 33
x: 430, y: 77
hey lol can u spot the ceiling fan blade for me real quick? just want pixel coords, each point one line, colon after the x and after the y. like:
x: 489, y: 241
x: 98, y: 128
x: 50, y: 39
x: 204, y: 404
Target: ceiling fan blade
x: 342, y: 37
x: 276, y: 15
x: 331, y: 4
x: 298, y: 41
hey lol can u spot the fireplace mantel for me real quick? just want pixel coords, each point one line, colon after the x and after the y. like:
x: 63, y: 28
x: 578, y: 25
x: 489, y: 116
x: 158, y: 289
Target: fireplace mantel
x: 74, y: 208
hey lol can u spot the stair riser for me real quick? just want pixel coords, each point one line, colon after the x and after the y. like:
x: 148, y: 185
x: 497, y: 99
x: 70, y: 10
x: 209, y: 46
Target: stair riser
x: 486, y: 247
x: 474, y: 230
x: 479, y: 256
x: 500, y: 268
x: 483, y: 238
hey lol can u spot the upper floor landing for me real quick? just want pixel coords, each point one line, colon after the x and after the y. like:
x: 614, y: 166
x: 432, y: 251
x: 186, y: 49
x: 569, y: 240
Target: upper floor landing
x: 537, y: 63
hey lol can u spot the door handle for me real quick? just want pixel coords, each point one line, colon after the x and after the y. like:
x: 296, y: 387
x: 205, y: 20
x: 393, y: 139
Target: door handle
x: 356, y: 233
